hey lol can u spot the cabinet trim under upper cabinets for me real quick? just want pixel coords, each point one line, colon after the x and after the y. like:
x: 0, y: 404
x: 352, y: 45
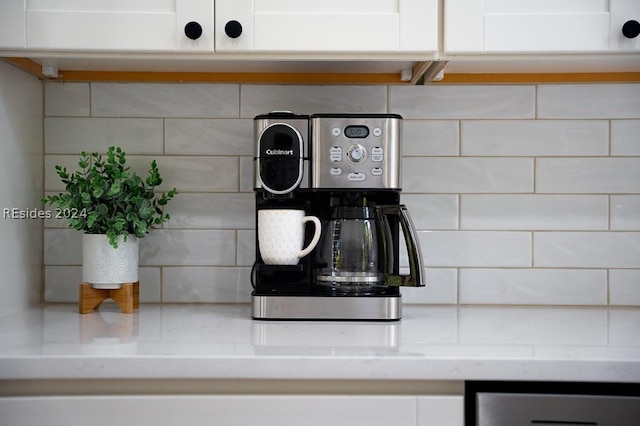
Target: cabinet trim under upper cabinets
x: 408, y: 73
x: 424, y: 69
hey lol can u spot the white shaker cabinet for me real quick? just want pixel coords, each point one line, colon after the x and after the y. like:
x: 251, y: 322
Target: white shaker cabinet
x: 119, y: 25
x: 440, y: 410
x: 541, y: 26
x: 230, y: 410
x: 367, y: 26
x: 12, y: 24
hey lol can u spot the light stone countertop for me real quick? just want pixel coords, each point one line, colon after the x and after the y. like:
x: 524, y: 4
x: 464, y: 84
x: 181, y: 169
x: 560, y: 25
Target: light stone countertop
x: 223, y: 342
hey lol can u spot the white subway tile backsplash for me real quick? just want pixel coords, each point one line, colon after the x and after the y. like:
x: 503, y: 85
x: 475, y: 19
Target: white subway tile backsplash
x: 62, y: 247
x: 624, y: 137
x: 430, y: 137
x: 212, y: 211
x: 535, y: 137
x: 622, y: 324
x: 52, y: 181
x: 247, y: 174
x: 588, y: 175
x: 460, y: 175
x: 589, y: 101
x: 586, y: 249
x: 150, y: 284
x: 430, y: 211
x: 246, y: 254
x: 476, y: 248
x: 188, y: 247
x: 204, y: 284
x: 159, y: 247
x: 533, y: 286
x: 625, y: 212
x: 261, y: 99
x: 70, y: 135
x: 67, y: 99
x: 164, y: 100
x: 459, y: 102
x: 61, y: 283
x: 624, y: 287
x: 441, y: 287
x: 192, y: 173
x: 522, y: 194
x: 534, y: 212
x: 209, y: 137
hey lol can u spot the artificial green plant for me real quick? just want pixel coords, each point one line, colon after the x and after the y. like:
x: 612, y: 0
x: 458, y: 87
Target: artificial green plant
x: 105, y: 197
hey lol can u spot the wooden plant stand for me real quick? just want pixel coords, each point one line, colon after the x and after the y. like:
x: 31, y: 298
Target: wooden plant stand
x: 127, y: 297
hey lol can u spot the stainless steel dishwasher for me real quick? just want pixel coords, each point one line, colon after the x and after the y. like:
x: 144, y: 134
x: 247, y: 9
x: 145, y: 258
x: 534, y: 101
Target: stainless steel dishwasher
x: 552, y: 404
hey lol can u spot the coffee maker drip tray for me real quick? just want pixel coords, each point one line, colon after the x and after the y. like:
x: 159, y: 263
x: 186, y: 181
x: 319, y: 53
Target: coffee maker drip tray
x: 358, y: 308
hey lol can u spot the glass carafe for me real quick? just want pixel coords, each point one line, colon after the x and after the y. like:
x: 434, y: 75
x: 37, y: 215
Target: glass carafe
x: 356, y: 251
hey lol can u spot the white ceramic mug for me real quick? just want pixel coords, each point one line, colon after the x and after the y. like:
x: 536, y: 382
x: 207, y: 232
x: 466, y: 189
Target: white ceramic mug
x: 281, y: 235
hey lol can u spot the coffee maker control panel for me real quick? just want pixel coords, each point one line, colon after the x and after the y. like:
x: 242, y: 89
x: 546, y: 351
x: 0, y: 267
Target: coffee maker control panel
x: 356, y: 151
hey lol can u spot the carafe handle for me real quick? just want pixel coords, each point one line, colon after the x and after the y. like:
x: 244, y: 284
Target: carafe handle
x: 414, y: 279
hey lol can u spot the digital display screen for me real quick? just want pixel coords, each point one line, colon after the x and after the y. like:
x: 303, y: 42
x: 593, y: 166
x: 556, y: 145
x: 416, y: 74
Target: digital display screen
x: 356, y: 131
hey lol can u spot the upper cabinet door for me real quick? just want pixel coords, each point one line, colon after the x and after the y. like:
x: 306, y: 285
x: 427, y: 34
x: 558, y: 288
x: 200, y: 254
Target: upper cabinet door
x: 539, y: 26
x: 369, y: 26
x: 120, y: 25
x: 12, y: 24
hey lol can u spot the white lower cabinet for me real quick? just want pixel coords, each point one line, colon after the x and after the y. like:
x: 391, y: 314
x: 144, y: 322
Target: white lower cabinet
x: 440, y: 410
x: 231, y: 410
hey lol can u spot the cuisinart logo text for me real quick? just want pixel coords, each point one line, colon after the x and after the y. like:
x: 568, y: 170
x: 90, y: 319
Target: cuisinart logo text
x: 279, y: 152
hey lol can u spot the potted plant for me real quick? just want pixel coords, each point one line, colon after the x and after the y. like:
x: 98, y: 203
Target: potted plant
x: 114, y: 207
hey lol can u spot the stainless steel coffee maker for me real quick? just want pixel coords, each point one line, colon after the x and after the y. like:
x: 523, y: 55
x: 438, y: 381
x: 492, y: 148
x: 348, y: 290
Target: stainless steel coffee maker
x: 343, y: 169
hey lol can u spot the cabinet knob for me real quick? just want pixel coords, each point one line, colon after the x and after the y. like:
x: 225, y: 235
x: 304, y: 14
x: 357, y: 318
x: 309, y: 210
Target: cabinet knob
x: 193, y: 30
x: 233, y: 29
x: 631, y: 29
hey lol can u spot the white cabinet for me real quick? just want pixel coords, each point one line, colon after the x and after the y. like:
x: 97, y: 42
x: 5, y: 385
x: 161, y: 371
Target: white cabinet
x: 119, y: 25
x: 541, y: 26
x: 436, y: 410
x: 12, y: 24
x: 370, y: 26
x: 241, y: 410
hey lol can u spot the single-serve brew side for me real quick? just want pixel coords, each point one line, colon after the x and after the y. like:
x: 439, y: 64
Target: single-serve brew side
x: 341, y: 172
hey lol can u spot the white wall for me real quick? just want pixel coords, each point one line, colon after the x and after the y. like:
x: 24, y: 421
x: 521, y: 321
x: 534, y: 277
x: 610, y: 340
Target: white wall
x: 523, y: 194
x: 21, y: 108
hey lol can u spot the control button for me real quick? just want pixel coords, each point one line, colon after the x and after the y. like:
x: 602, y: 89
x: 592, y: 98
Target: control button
x: 376, y: 171
x: 377, y: 131
x: 335, y: 153
x: 376, y: 158
x: 356, y: 177
x: 356, y: 153
x: 335, y: 171
x: 336, y: 131
x: 377, y: 150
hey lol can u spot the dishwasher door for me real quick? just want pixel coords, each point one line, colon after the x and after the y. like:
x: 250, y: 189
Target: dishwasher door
x: 527, y: 409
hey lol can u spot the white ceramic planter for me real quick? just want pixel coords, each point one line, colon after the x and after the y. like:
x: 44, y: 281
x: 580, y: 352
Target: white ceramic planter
x: 105, y: 267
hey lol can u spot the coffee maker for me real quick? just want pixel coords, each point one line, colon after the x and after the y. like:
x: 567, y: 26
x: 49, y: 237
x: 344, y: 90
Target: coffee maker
x: 343, y: 169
